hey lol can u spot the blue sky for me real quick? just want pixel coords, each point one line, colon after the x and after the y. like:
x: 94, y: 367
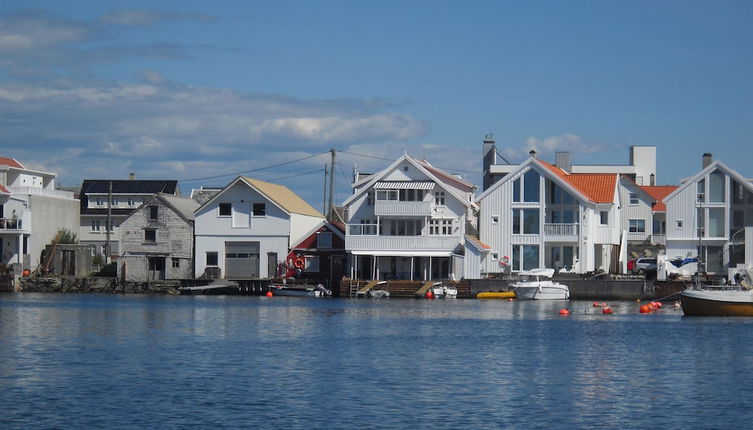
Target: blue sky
x: 194, y: 89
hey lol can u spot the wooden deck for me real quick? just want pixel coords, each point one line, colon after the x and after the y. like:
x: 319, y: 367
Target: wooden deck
x: 397, y: 289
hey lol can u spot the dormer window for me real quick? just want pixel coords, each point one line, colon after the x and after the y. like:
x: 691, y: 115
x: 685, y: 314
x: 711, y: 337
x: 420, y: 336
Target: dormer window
x: 225, y: 209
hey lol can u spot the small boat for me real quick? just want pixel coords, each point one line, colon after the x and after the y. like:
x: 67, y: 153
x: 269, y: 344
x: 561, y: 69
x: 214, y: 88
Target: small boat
x: 300, y: 290
x: 496, y: 295
x: 378, y: 294
x: 217, y: 287
x: 717, y: 301
x: 536, y: 284
x: 441, y: 291
x: 370, y: 290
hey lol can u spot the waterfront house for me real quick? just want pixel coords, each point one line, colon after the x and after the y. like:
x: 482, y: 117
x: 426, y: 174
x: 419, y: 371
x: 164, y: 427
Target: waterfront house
x: 125, y: 197
x: 319, y: 257
x: 32, y: 211
x: 408, y: 221
x: 710, y: 216
x: 541, y: 215
x: 248, y: 227
x: 643, y: 212
x: 156, y: 240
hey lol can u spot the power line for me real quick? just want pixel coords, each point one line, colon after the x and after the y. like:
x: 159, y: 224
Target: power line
x: 296, y: 175
x: 254, y: 170
x: 451, y: 169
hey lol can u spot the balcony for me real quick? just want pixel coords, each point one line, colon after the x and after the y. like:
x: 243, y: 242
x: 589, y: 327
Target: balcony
x: 659, y: 239
x: 401, y: 243
x: 402, y: 208
x: 561, y: 232
x: 11, y: 224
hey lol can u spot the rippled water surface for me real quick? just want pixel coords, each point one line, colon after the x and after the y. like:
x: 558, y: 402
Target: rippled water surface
x: 83, y: 361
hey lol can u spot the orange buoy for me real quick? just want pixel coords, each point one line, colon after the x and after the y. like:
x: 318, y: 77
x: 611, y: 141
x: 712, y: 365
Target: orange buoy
x: 645, y: 309
x: 659, y: 305
x: 269, y: 294
x: 510, y: 299
x: 26, y: 273
x: 607, y: 310
x: 429, y: 295
x: 596, y: 304
x: 603, y: 305
x: 564, y: 312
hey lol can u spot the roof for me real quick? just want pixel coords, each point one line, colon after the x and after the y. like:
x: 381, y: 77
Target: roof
x: 598, y: 187
x: 658, y: 192
x: 123, y: 186
x: 442, y: 174
x: 181, y: 205
x: 283, y: 197
x: 4, y: 190
x: 11, y: 162
x: 477, y: 243
x: 203, y: 194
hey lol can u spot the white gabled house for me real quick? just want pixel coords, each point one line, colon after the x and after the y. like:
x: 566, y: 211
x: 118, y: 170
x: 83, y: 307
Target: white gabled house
x: 643, y: 211
x: 539, y: 215
x: 247, y: 228
x: 710, y: 216
x: 408, y: 222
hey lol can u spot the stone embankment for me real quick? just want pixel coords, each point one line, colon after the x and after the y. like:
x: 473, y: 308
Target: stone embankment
x: 95, y: 285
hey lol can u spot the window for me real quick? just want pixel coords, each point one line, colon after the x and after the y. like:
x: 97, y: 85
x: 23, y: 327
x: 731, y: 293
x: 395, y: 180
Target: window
x: 495, y: 219
x: 529, y: 259
x: 260, y: 209
x: 701, y: 191
x: 212, y: 259
x: 604, y: 217
x: 404, y: 227
x: 716, y: 222
x: 176, y: 263
x: 153, y: 213
x: 370, y: 198
x: 528, y: 219
x: 130, y: 201
x: 495, y: 257
x: 440, y: 227
x: 366, y: 227
x: 324, y: 240
x: 516, y: 190
x: 678, y: 223
x: 637, y: 226
x: 114, y: 201
x: 312, y: 263
x: 95, y: 225
x: 716, y: 187
x: 99, y: 201
x: 439, y: 198
x: 410, y: 195
x: 633, y: 198
x: 531, y: 181
x: 226, y: 209
x: 387, y: 195
x: 150, y: 235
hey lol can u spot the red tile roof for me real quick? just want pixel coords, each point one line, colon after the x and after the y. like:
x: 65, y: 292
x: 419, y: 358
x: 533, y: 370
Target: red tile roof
x: 4, y: 190
x: 658, y: 192
x: 11, y: 162
x: 598, y: 187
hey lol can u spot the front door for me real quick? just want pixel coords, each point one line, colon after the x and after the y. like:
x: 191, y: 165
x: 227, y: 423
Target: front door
x: 156, y: 269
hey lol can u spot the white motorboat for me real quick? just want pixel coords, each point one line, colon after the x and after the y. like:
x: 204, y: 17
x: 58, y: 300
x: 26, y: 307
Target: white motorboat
x: 300, y: 290
x: 441, y: 291
x: 537, y: 284
x: 717, y: 301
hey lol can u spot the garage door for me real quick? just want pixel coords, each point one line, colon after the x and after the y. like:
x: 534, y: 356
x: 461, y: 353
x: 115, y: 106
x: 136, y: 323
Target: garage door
x: 242, y: 260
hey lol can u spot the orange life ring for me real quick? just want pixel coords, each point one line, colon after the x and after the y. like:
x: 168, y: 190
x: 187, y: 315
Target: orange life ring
x: 299, y: 262
x: 504, y: 261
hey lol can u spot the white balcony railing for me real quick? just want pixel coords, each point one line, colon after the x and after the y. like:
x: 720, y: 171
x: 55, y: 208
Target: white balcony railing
x: 659, y: 239
x: 11, y: 224
x: 561, y: 229
x: 401, y: 243
x: 398, y: 208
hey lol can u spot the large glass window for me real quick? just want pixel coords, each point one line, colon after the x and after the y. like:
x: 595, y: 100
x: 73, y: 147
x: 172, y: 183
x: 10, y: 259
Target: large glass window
x: 530, y: 221
x: 716, y: 187
x: 637, y: 226
x: 701, y: 222
x: 516, y: 258
x: 516, y: 221
x: 516, y: 190
x: 531, y: 186
x: 701, y: 191
x: 716, y: 222
x: 530, y: 257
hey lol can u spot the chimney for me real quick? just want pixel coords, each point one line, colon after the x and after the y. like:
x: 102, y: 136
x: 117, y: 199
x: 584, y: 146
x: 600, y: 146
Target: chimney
x: 489, y: 159
x: 562, y: 160
x: 532, y: 153
x: 707, y: 159
x: 132, y: 176
x: 652, y: 179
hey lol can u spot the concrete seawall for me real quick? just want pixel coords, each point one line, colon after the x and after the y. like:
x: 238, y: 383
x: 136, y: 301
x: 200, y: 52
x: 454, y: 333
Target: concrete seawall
x: 584, y: 289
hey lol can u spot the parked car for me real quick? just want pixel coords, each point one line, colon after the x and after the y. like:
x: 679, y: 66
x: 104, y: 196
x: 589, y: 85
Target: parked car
x: 643, y: 265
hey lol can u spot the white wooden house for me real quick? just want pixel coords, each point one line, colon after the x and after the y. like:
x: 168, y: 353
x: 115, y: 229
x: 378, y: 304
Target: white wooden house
x: 156, y: 240
x: 710, y: 216
x: 247, y: 228
x: 539, y: 215
x: 32, y: 211
x: 408, y: 222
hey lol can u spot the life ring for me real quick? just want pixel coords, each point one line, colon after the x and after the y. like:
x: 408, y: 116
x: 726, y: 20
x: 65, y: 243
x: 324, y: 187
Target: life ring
x: 504, y: 261
x: 299, y: 263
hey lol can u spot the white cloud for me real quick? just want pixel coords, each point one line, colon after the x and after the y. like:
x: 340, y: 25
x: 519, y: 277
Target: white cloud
x: 548, y: 146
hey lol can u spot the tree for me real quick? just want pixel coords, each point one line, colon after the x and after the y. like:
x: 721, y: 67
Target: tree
x: 65, y: 236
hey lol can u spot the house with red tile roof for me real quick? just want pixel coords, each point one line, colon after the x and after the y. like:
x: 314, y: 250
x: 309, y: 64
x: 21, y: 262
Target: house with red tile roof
x: 540, y: 215
x: 643, y: 212
x: 32, y: 211
x: 409, y: 221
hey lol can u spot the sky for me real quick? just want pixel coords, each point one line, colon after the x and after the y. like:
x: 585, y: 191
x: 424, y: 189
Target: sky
x: 203, y: 91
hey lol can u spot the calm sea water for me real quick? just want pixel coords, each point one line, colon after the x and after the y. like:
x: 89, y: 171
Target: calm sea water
x: 111, y: 361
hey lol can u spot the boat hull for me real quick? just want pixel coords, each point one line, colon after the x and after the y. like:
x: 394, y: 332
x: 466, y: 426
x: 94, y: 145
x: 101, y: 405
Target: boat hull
x: 717, y: 303
x: 542, y: 293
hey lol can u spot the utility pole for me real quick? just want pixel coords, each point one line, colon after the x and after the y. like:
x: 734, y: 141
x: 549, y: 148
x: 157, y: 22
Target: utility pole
x: 108, y: 222
x: 324, y: 192
x: 331, y: 183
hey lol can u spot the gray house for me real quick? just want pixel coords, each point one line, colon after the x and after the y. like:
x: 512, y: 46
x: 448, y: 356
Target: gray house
x: 156, y: 240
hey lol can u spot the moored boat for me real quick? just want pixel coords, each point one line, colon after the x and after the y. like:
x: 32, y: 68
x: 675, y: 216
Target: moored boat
x: 300, y: 291
x: 717, y: 301
x: 442, y: 291
x: 536, y: 284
